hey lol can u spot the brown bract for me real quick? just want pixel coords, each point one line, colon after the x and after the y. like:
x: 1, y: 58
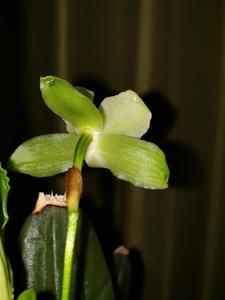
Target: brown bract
x: 74, y: 187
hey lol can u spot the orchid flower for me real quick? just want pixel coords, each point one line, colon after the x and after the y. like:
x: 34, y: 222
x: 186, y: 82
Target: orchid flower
x: 115, y: 128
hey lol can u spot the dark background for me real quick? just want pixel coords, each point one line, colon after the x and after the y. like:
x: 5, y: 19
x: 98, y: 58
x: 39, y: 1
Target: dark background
x: 173, y: 54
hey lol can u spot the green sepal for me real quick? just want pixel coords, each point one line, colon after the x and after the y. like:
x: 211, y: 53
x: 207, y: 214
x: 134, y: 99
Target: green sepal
x: 139, y: 162
x: 45, y: 155
x: 70, y: 104
x: 42, y: 243
x: 69, y: 127
x: 27, y: 295
x: 88, y: 93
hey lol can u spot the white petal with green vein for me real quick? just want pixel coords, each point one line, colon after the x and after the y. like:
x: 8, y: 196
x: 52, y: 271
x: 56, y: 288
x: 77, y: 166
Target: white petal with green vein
x: 45, y: 155
x: 139, y: 162
x: 125, y: 114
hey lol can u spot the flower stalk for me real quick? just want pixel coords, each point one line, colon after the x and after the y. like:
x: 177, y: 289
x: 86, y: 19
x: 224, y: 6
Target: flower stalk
x: 73, y: 186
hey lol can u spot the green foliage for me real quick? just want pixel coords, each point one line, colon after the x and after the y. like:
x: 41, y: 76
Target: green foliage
x: 42, y: 243
x: 4, y: 189
x: 6, y: 276
x: 6, y: 280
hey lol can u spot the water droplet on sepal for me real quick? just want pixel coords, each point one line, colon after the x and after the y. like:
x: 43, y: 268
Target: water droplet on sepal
x: 50, y: 81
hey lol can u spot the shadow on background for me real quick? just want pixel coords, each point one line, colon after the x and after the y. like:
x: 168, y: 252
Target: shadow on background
x: 46, y: 296
x: 138, y: 275
x: 185, y: 165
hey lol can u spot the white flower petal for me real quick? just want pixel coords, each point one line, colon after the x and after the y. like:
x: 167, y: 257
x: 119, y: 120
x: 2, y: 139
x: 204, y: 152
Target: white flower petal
x: 139, y: 162
x: 125, y: 114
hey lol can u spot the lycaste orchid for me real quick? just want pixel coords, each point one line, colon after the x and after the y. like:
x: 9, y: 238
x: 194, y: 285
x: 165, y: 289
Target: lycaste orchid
x: 115, y: 130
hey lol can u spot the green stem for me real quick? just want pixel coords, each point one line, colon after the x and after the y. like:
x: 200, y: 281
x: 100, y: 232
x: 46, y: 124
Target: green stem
x: 73, y: 211
x: 81, y: 149
x: 69, y: 252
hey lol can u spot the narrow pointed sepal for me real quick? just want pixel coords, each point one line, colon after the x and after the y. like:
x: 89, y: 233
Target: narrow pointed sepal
x: 139, y: 162
x: 45, y: 155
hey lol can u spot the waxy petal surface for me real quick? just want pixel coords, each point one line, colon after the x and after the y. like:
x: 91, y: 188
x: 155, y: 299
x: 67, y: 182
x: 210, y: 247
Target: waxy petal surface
x: 139, y: 162
x: 45, y: 155
x: 70, y: 104
x: 125, y: 114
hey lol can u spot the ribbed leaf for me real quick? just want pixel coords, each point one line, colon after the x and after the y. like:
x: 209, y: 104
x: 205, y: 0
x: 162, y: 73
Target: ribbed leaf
x: 70, y: 104
x: 27, y: 295
x: 6, y: 281
x: 42, y: 242
x: 45, y: 155
x: 4, y: 189
x: 125, y: 114
x: 139, y: 162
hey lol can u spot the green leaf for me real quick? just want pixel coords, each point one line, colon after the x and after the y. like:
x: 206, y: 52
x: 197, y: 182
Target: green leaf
x: 4, y: 189
x: 6, y: 281
x: 42, y: 242
x: 45, y: 155
x: 27, y: 295
x: 125, y: 114
x: 139, y: 162
x: 70, y: 104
